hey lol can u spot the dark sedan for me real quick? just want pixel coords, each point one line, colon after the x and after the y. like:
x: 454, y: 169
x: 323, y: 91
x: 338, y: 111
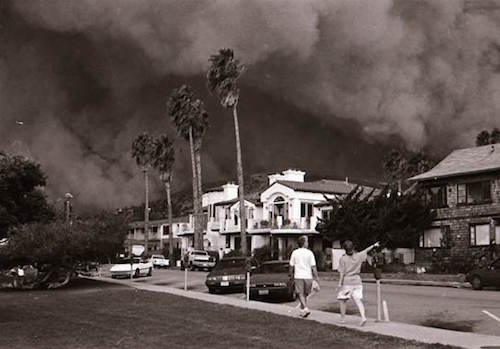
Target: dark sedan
x: 271, y: 280
x: 489, y: 276
x: 229, y: 275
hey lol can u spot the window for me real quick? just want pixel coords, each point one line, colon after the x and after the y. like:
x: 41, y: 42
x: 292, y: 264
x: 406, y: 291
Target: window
x: 228, y: 241
x: 438, y: 197
x: 306, y: 209
x: 155, y: 229
x: 326, y: 214
x: 431, y: 237
x: 479, y: 234
x: 166, y: 229
x: 497, y: 234
x: 474, y: 193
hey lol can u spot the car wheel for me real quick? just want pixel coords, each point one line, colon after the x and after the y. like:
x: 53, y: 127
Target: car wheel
x: 113, y: 276
x: 192, y: 267
x: 150, y: 272
x: 476, y: 282
x: 137, y: 273
x: 211, y: 290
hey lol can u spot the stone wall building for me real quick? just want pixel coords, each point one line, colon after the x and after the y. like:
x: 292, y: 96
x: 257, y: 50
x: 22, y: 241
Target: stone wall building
x: 464, y: 189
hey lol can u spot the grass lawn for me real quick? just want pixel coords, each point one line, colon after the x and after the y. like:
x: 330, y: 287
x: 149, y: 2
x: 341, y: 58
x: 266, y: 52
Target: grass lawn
x: 97, y: 315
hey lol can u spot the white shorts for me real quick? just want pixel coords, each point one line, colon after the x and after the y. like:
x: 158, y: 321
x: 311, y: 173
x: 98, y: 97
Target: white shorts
x: 350, y: 292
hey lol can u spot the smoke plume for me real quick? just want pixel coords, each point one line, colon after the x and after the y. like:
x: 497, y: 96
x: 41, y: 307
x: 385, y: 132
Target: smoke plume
x: 341, y: 79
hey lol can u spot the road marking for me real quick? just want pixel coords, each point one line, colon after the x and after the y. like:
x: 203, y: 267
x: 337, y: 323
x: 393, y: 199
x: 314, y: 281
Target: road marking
x: 494, y: 317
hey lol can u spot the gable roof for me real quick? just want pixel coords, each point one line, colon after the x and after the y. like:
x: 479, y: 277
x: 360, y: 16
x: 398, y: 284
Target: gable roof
x: 326, y: 186
x: 464, y: 161
x: 254, y: 198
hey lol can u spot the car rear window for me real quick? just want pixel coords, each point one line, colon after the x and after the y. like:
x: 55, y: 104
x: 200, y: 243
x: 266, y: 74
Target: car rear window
x: 272, y: 268
x: 158, y: 256
x: 231, y: 263
x: 200, y: 253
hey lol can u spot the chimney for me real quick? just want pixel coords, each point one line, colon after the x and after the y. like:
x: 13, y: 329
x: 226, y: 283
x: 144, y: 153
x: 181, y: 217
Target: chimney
x: 347, y: 180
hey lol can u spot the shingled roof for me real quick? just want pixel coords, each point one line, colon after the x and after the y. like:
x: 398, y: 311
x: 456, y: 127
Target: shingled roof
x: 326, y: 186
x: 463, y: 162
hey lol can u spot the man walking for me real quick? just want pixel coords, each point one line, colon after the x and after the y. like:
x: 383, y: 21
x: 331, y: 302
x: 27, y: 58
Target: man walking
x: 302, y: 269
x: 350, y: 285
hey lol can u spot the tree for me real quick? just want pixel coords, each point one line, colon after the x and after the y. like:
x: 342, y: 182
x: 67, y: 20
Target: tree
x: 21, y: 198
x: 56, y: 249
x: 395, y: 220
x: 495, y: 136
x: 483, y: 138
x: 163, y: 161
x: 191, y: 120
x: 142, y: 152
x: 222, y: 77
x: 399, y: 167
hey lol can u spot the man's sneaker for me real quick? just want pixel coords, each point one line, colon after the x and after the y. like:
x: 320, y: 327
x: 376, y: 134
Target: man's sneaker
x: 305, y: 313
x: 363, y: 322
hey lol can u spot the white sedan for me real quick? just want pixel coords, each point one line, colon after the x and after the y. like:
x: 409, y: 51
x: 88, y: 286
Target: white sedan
x: 159, y: 261
x: 137, y: 268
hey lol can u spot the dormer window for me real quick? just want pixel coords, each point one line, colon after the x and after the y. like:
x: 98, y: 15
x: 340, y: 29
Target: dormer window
x: 474, y: 193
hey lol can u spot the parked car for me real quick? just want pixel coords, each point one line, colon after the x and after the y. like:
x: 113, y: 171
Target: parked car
x: 198, y: 259
x: 159, y: 261
x: 272, y: 280
x: 229, y: 275
x: 489, y: 276
x: 137, y: 268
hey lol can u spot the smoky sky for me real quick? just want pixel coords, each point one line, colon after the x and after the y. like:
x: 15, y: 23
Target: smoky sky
x: 329, y: 86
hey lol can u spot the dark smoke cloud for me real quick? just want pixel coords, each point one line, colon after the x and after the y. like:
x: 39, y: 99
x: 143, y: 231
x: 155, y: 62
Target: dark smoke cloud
x: 87, y: 76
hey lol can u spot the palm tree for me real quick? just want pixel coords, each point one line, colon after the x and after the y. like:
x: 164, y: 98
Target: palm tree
x: 163, y: 161
x: 142, y: 152
x: 222, y: 76
x: 191, y: 121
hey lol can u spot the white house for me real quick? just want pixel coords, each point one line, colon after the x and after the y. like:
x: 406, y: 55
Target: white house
x: 288, y: 208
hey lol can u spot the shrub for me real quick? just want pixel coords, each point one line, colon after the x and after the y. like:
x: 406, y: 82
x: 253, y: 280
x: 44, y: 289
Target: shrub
x: 234, y: 253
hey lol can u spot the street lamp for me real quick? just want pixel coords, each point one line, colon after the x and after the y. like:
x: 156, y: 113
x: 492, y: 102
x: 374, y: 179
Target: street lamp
x: 67, y: 205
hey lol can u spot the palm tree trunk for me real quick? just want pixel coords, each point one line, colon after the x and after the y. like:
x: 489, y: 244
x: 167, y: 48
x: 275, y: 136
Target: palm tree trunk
x: 146, y: 213
x: 196, y: 209
x: 200, y: 191
x: 239, y: 167
x: 170, y: 226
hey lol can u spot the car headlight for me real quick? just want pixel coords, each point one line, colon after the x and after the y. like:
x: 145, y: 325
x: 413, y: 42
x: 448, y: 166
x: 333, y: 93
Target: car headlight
x: 212, y: 278
x: 280, y: 284
x: 239, y: 277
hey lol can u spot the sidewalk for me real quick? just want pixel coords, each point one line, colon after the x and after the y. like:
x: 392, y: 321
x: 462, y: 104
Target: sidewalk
x: 329, y: 276
x: 405, y: 331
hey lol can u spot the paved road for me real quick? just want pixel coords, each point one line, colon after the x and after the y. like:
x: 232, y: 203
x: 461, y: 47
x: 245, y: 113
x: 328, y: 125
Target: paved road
x: 458, y: 309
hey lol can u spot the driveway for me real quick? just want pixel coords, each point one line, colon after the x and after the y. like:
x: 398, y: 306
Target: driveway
x: 456, y: 309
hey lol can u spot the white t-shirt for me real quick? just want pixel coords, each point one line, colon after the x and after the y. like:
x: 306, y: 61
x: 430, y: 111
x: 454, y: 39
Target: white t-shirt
x: 302, y: 260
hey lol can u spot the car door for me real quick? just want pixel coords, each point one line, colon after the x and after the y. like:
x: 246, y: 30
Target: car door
x: 493, y: 277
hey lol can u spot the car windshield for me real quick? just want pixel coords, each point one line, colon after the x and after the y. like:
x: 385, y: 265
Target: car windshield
x: 127, y: 260
x: 199, y: 253
x: 158, y: 256
x: 231, y: 263
x: 272, y: 268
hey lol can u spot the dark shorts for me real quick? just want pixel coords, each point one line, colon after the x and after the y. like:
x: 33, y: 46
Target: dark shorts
x: 303, y: 286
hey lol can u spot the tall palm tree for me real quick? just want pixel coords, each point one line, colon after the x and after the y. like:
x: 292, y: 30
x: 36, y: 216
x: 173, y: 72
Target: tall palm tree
x: 163, y: 161
x: 191, y: 121
x: 222, y: 76
x: 142, y: 152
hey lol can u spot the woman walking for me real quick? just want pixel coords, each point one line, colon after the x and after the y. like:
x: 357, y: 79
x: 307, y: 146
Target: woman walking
x: 350, y: 285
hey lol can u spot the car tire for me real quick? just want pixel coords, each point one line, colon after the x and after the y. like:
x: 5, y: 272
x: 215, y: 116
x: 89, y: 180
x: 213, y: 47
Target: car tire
x: 211, y: 290
x: 113, y: 276
x: 192, y: 267
x: 476, y: 282
x: 150, y: 272
x: 137, y: 273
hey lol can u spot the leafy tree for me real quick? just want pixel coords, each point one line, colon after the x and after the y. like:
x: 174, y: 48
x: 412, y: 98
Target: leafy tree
x: 56, y: 249
x: 163, y: 161
x: 485, y: 137
x: 394, y: 220
x: 399, y: 167
x: 495, y: 136
x: 21, y: 198
x: 142, y: 152
x: 191, y: 121
x: 222, y: 77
